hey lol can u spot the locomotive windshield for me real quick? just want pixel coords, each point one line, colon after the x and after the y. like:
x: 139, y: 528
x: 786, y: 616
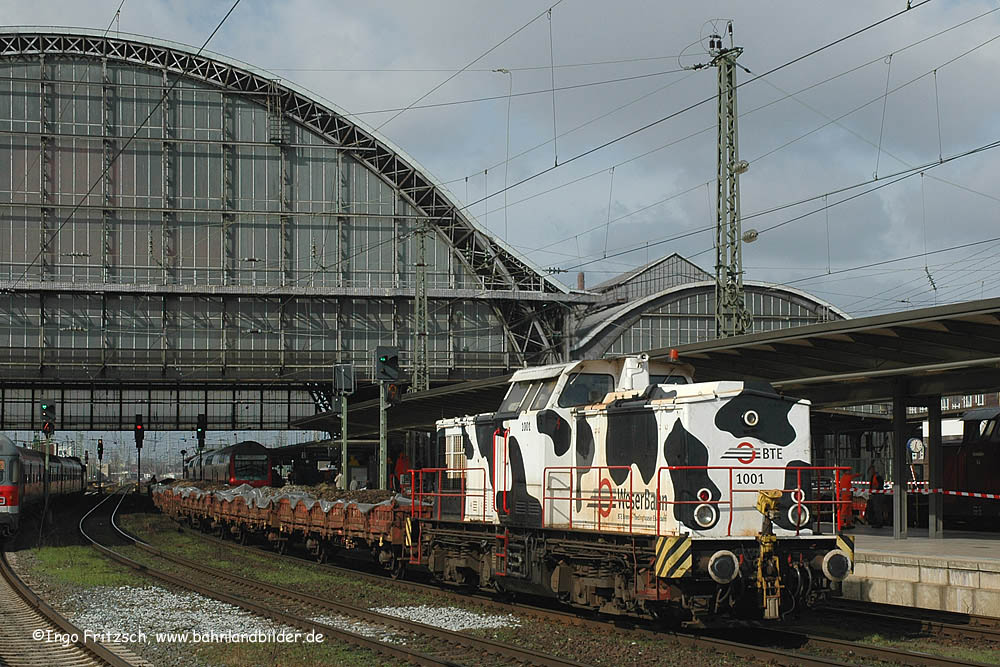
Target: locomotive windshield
x: 250, y: 466
x: 586, y: 388
x: 524, y: 396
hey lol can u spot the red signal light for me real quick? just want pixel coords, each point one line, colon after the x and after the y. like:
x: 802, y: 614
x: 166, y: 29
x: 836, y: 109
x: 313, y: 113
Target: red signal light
x: 674, y: 355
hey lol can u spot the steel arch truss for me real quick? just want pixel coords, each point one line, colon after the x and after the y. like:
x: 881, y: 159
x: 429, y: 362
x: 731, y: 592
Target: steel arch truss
x: 533, y: 330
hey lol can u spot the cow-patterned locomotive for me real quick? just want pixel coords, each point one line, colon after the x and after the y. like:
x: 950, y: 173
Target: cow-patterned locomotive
x: 622, y: 485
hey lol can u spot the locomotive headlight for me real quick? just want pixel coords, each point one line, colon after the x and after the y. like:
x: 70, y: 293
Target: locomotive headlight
x: 798, y: 515
x: 723, y: 566
x: 705, y: 515
x: 750, y: 418
x: 836, y: 565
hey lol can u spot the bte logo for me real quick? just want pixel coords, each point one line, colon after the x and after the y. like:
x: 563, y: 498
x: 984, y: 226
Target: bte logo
x: 746, y: 453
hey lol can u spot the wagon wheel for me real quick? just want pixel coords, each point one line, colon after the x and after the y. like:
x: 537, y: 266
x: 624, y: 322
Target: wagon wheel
x: 398, y: 568
x: 323, y: 555
x: 281, y: 546
x: 244, y: 536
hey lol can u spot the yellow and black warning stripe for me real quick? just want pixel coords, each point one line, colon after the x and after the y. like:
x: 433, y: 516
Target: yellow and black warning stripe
x: 846, y: 544
x: 409, y: 531
x: 673, y: 556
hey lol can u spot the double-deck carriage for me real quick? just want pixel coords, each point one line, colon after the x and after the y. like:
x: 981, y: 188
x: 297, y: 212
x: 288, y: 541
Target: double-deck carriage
x: 623, y: 486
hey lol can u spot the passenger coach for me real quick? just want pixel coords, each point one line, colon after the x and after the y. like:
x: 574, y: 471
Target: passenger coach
x: 22, y: 481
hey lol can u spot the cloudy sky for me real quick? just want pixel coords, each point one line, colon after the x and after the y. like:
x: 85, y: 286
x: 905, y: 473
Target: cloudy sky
x: 821, y: 130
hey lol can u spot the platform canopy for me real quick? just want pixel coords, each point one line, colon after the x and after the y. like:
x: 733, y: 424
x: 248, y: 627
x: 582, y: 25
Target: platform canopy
x: 953, y: 349
x: 945, y: 350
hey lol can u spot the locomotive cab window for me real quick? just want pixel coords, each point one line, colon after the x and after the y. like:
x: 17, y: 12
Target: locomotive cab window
x: 514, y: 397
x: 544, y: 392
x: 585, y: 388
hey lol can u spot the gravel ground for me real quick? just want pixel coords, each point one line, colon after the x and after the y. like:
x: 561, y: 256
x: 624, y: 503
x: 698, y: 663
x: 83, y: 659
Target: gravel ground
x: 452, y: 618
x: 152, y: 609
x: 588, y: 646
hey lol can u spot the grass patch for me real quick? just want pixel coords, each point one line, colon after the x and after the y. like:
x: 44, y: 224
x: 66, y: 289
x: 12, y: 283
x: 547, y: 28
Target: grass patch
x: 960, y: 652
x: 79, y: 566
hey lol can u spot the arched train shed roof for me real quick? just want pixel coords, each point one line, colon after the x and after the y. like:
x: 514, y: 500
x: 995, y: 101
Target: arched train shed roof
x: 499, y: 266
x: 598, y: 332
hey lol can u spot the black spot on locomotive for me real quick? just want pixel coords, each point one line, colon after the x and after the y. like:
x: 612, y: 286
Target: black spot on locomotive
x: 584, y: 454
x: 771, y: 425
x: 682, y: 448
x: 551, y: 424
x: 794, y: 479
x: 631, y: 440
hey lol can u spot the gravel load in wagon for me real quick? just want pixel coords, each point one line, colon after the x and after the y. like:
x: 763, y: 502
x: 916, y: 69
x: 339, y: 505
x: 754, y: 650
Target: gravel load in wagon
x: 331, y: 492
x: 324, y: 491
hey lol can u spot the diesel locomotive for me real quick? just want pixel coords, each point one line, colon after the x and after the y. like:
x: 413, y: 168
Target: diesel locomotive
x: 621, y: 485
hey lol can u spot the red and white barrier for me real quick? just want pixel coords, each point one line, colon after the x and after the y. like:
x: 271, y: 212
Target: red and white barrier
x: 964, y: 494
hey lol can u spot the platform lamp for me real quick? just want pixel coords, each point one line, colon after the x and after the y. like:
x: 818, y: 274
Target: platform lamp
x: 183, y: 467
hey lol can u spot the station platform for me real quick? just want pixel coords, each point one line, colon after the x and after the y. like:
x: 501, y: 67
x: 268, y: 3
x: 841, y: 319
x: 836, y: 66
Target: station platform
x: 959, y: 572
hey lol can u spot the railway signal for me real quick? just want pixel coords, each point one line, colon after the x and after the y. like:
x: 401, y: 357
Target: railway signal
x: 48, y: 419
x: 140, y: 433
x: 387, y: 364
x: 100, y: 449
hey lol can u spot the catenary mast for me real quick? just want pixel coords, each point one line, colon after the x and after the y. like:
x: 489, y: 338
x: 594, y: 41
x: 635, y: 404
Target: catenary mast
x: 731, y: 315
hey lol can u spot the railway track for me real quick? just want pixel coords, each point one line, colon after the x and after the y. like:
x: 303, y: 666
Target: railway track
x: 32, y: 632
x: 929, y: 621
x: 759, y: 642
x: 402, y: 639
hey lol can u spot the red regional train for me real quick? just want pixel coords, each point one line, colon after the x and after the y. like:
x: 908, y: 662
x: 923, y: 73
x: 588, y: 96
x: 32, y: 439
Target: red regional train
x: 247, y: 462
x: 22, y: 481
x: 972, y: 465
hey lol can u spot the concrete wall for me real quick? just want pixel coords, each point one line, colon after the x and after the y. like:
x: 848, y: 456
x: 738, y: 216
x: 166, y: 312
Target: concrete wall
x: 948, y: 584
